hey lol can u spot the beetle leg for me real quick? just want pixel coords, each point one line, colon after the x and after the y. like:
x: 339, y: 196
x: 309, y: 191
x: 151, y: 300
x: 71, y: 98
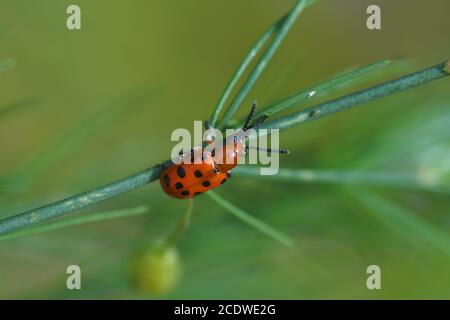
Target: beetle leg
x: 209, y: 138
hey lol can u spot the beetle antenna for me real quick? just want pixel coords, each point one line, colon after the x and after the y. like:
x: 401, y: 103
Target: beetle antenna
x: 280, y: 151
x: 258, y: 122
x: 249, y: 117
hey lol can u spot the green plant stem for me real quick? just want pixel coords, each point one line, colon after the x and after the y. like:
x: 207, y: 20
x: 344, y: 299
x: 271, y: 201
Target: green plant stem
x: 264, y: 60
x: 319, y: 89
x: 241, y: 69
x: 375, y: 178
x: 94, y: 217
x: 80, y: 201
x: 250, y: 220
x: 182, y: 226
x: 327, y: 108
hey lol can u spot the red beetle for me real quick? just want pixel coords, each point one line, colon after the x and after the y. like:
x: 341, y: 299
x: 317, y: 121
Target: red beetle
x: 203, y: 171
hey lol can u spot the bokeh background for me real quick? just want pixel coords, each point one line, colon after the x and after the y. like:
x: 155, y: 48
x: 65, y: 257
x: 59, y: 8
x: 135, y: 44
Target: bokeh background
x: 82, y: 108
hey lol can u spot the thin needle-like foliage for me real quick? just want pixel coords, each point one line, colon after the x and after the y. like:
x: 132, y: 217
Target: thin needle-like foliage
x: 88, y: 198
x: 403, y: 220
x: 350, y: 177
x: 364, y: 96
x: 321, y: 88
x: 286, y: 25
x: 241, y: 70
x: 146, y: 176
x: 79, y: 201
x: 250, y: 220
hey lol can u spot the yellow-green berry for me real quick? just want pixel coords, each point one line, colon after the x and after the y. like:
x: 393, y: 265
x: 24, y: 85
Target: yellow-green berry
x: 156, y: 270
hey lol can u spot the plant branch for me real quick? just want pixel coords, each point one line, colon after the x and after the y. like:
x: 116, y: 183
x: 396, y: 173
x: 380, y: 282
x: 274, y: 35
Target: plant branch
x: 327, y: 108
x: 80, y: 201
x: 93, y: 217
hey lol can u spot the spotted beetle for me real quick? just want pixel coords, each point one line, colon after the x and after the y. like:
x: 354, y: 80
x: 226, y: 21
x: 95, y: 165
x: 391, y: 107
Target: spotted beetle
x: 199, y: 170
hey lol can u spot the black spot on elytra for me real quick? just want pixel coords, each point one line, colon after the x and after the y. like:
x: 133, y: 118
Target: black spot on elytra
x: 185, y: 193
x: 206, y: 183
x: 179, y: 185
x: 197, y: 193
x: 223, y: 181
x: 198, y: 174
x: 180, y: 172
x: 166, y: 180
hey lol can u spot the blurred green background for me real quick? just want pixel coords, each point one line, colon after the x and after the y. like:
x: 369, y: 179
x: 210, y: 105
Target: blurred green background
x: 82, y: 108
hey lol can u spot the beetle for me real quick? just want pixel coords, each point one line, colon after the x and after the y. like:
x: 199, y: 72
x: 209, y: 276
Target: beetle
x: 203, y: 171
